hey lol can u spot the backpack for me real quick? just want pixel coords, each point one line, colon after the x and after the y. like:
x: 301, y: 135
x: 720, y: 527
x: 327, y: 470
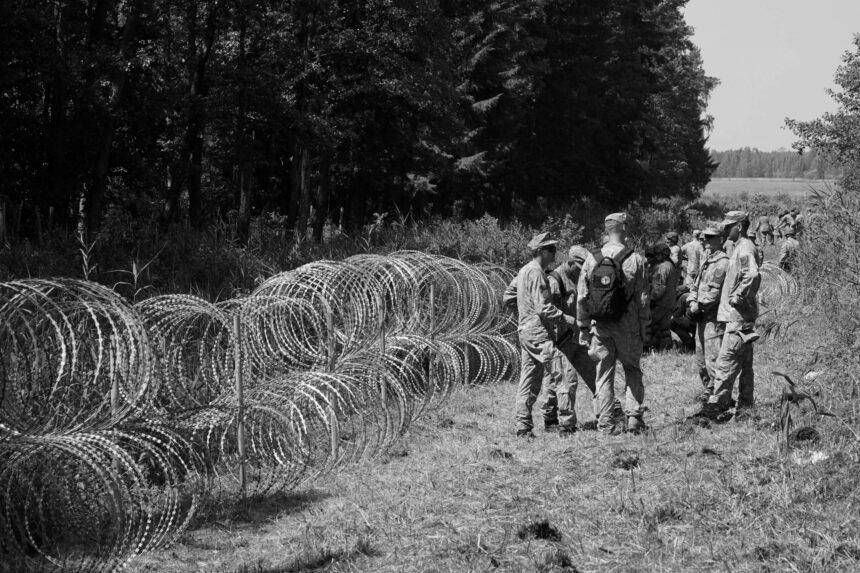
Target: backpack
x: 606, y: 297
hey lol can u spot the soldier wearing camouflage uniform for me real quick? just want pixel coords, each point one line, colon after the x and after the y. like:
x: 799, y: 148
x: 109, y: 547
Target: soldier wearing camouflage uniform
x: 663, y: 295
x: 616, y: 338
x: 704, y: 303
x: 691, y: 258
x: 537, y: 319
x: 738, y: 310
x: 569, y: 357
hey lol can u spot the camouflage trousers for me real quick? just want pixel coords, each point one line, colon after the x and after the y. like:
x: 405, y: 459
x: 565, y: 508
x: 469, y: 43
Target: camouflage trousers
x: 560, y: 382
x: 735, y: 361
x: 534, y: 360
x: 709, y: 339
x: 611, y: 344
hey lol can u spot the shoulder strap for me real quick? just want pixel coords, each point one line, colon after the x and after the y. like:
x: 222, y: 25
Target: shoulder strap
x: 622, y: 255
x: 598, y: 255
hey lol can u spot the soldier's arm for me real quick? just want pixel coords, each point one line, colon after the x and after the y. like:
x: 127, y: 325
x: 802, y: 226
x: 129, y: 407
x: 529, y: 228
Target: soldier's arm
x: 748, y: 276
x: 711, y: 295
x: 693, y: 298
x: 582, y: 312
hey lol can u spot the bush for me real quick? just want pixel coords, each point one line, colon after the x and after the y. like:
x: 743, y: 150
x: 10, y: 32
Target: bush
x: 823, y: 325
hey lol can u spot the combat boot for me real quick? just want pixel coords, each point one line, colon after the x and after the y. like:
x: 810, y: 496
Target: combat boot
x: 635, y: 425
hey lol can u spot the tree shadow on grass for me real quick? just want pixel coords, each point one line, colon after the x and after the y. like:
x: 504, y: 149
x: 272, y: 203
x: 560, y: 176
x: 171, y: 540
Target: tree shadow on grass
x: 317, y: 560
x: 257, y: 509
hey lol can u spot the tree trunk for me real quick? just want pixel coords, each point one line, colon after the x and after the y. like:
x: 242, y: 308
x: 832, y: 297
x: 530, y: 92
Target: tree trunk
x: 37, y: 223
x: 128, y: 44
x: 324, y: 195
x: 2, y: 221
x: 57, y: 186
x: 175, y: 181
x: 245, y: 168
x: 197, y: 114
x: 295, y: 190
x: 304, y: 195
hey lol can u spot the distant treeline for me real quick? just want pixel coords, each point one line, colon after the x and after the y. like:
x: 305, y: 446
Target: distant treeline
x: 750, y: 162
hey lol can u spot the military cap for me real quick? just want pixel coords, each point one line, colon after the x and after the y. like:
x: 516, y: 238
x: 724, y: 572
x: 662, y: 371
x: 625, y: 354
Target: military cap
x: 672, y: 235
x: 697, y: 233
x: 712, y: 231
x: 578, y: 254
x: 541, y: 241
x: 615, y: 220
x: 789, y: 232
x: 733, y: 217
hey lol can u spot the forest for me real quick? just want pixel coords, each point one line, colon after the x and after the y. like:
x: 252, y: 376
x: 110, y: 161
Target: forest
x: 752, y: 163
x: 313, y: 112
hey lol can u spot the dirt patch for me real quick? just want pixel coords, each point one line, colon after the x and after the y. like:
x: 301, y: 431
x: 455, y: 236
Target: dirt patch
x: 539, y: 530
x: 500, y: 454
x: 622, y: 460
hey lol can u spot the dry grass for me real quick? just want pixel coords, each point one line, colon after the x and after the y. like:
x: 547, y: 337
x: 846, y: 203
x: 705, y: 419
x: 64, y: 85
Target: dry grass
x: 461, y: 493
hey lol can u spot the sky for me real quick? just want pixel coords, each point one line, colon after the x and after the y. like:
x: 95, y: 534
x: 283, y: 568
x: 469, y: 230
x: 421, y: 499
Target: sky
x: 774, y: 59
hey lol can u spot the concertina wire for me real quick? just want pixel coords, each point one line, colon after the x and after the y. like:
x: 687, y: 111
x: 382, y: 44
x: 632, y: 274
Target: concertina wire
x: 119, y: 423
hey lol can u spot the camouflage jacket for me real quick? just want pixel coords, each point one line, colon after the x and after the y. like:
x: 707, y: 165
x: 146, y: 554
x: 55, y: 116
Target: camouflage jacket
x: 738, y: 303
x: 537, y: 316
x: 709, y: 284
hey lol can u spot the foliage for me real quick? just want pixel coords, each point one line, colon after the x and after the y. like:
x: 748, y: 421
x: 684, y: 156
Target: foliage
x: 327, y: 111
x: 836, y: 135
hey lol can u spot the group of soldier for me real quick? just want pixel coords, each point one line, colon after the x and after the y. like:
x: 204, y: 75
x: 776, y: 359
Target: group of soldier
x: 608, y: 305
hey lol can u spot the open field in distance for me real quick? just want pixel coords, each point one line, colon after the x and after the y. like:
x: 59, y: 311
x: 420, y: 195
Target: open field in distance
x: 795, y: 188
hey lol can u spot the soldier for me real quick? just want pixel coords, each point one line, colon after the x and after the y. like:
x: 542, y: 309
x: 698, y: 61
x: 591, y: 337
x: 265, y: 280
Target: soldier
x: 613, y: 293
x: 786, y: 222
x: 764, y: 229
x: 537, y: 318
x: 664, y: 282
x: 682, y: 326
x: 569, y: 357
x: 691, y: 256
x: 759, y: 252
x: 674, y: 250
x: 788, y: 252
x: 738, y: 311
x: 704, y: 302
x: 799, y: 221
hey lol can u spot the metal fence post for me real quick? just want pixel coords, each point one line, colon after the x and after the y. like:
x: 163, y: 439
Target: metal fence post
x: 383, y: 387
x: 335, y: 432
x: 240, y: 399
x: 432, y: 354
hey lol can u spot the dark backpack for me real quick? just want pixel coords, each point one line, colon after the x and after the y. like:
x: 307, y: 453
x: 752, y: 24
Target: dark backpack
x: 606, y: 297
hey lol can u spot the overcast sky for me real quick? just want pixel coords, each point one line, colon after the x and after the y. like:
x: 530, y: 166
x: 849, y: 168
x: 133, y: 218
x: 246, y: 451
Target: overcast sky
x: 774, y: 58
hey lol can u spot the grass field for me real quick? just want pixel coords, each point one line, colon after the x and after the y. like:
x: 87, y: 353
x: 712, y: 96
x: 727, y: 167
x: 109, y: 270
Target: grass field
x: 794, y: 188
x: 461, y: 493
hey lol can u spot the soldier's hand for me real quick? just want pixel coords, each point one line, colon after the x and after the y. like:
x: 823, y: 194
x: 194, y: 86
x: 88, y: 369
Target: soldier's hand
x: 584, y: 337
x: 694, y: 313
